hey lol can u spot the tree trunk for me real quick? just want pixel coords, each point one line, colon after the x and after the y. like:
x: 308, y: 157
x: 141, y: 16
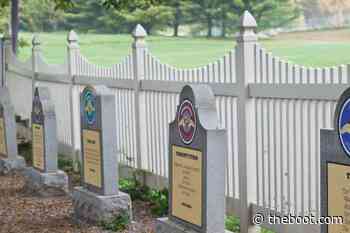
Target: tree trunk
x: 14, y: 23
x: 210, y: 26
x: 223, y: 25
x: 176, y: 30
x: 177, y: 20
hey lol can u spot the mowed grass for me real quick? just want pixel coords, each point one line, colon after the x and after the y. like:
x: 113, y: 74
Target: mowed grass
x: 317, y: 49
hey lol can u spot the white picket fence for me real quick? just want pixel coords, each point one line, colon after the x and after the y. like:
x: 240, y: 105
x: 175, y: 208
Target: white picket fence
x: 273, y: 111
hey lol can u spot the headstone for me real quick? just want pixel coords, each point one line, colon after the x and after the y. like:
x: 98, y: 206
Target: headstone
x: 335, y: 168
x: 99, y: 199
x: 44, y: 174
x: 197, y: 154
x: 9, y: 159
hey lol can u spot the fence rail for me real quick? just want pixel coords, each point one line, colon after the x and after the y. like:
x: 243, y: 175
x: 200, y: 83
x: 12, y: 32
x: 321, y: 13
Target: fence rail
x: 272, y: 109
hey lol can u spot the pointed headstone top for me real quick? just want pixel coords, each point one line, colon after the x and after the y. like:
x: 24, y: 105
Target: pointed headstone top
x: 36, y: 40
x: 139, y: 32
x: 72, y: 36
x: 247, y: 20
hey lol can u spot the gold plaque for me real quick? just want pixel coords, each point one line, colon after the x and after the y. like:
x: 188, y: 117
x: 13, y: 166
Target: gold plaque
x: 92, y: 158
x: 187, y: 185
x: 339, y: 196
x: 38, y: 147
x: 3, y: 149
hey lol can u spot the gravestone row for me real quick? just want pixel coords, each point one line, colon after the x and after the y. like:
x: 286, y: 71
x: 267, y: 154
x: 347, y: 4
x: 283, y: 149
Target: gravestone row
x: 197, y: 152
x: 197, y: 148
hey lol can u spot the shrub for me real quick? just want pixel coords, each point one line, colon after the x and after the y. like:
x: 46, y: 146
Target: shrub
x: 65, y: 164
x: 134, y: 188
x: 232, y: 223
x: 159, y: 201
x: 118, y: 223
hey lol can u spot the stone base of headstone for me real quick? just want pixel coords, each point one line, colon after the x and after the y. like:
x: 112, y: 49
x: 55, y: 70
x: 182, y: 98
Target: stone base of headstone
x: 9, y: 165
x: 93, y: 208
x: 46, y: 184
x: 164, y: 225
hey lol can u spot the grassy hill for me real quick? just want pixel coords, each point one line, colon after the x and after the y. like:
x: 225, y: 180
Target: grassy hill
x: 320, y: 48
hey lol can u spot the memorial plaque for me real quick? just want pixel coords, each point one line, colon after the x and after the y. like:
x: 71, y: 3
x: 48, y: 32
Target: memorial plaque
x: 92, y: 158
x: 187, y: 185
x: 38, y: 133
x: 38, y: 147
x: 196, y: 141
x: 91, y: 140
x: 3, y: 149
x: 339, y: 196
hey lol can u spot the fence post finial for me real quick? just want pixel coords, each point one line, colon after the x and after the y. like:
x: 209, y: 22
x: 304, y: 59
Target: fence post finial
x: 73, y: 39
x: 139, y: 32
x: 36, y: 41
x: 247, y: 25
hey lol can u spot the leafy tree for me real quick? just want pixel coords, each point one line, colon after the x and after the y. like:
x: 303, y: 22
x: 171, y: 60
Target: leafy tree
x: 15, y: 4
x: 41, y: 15
x: 205, y: 12
x: 267, y: 12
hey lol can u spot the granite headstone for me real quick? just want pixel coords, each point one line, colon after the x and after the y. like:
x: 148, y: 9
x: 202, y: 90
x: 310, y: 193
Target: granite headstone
x: 197, y: 154
x: 44, y: 174
x: 335, y: 168
x: 99, y: 199
x: 9, y: 159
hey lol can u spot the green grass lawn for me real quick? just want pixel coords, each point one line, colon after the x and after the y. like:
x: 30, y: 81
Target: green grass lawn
x: 192, y: 52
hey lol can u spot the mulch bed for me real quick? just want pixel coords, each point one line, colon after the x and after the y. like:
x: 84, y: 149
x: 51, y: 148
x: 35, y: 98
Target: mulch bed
x: 25, y: 212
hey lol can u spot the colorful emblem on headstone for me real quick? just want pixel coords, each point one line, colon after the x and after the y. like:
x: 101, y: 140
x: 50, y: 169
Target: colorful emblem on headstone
x: 89, y: 106
x: 37, y: 108
x: 344, y: 126
x: 187, y: 122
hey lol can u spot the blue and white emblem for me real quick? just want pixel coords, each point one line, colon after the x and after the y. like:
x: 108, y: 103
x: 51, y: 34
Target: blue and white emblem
x: 344, y: 126
x: 89, y: 106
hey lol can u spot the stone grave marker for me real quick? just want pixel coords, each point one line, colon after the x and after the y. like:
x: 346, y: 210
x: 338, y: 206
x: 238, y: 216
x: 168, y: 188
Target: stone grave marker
x: 197, y: 154
x: 99, y: 199
x: 335, y: 168
x: 44, y: 174
x: 9, y: 159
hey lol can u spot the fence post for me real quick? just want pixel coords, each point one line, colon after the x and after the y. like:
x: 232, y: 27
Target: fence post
x: 7, y: 50
x: 72, y: 52
x: 245, y: 72
x: 36, y: 50
x: 138, y: 49
x: 2, y: 54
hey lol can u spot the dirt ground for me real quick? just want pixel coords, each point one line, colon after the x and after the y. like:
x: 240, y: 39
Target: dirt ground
x: 24, y: 212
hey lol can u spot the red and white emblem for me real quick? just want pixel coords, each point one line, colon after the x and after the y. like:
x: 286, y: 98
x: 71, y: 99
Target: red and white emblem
x: 186, y: 122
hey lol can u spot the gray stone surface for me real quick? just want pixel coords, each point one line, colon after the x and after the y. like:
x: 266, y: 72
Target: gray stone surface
x: 106, y: 126
x: 95, y: 204
x: 164, y: 225
x: 46, y: 184
x: 92, y: 208
x: 48, y: 120
x: 9, y: 165
x: 10, y: 161
x: 211, y: 141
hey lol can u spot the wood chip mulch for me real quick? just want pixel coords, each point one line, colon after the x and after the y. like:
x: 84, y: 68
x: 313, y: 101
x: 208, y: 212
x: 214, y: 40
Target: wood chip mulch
x: 25, y: 212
